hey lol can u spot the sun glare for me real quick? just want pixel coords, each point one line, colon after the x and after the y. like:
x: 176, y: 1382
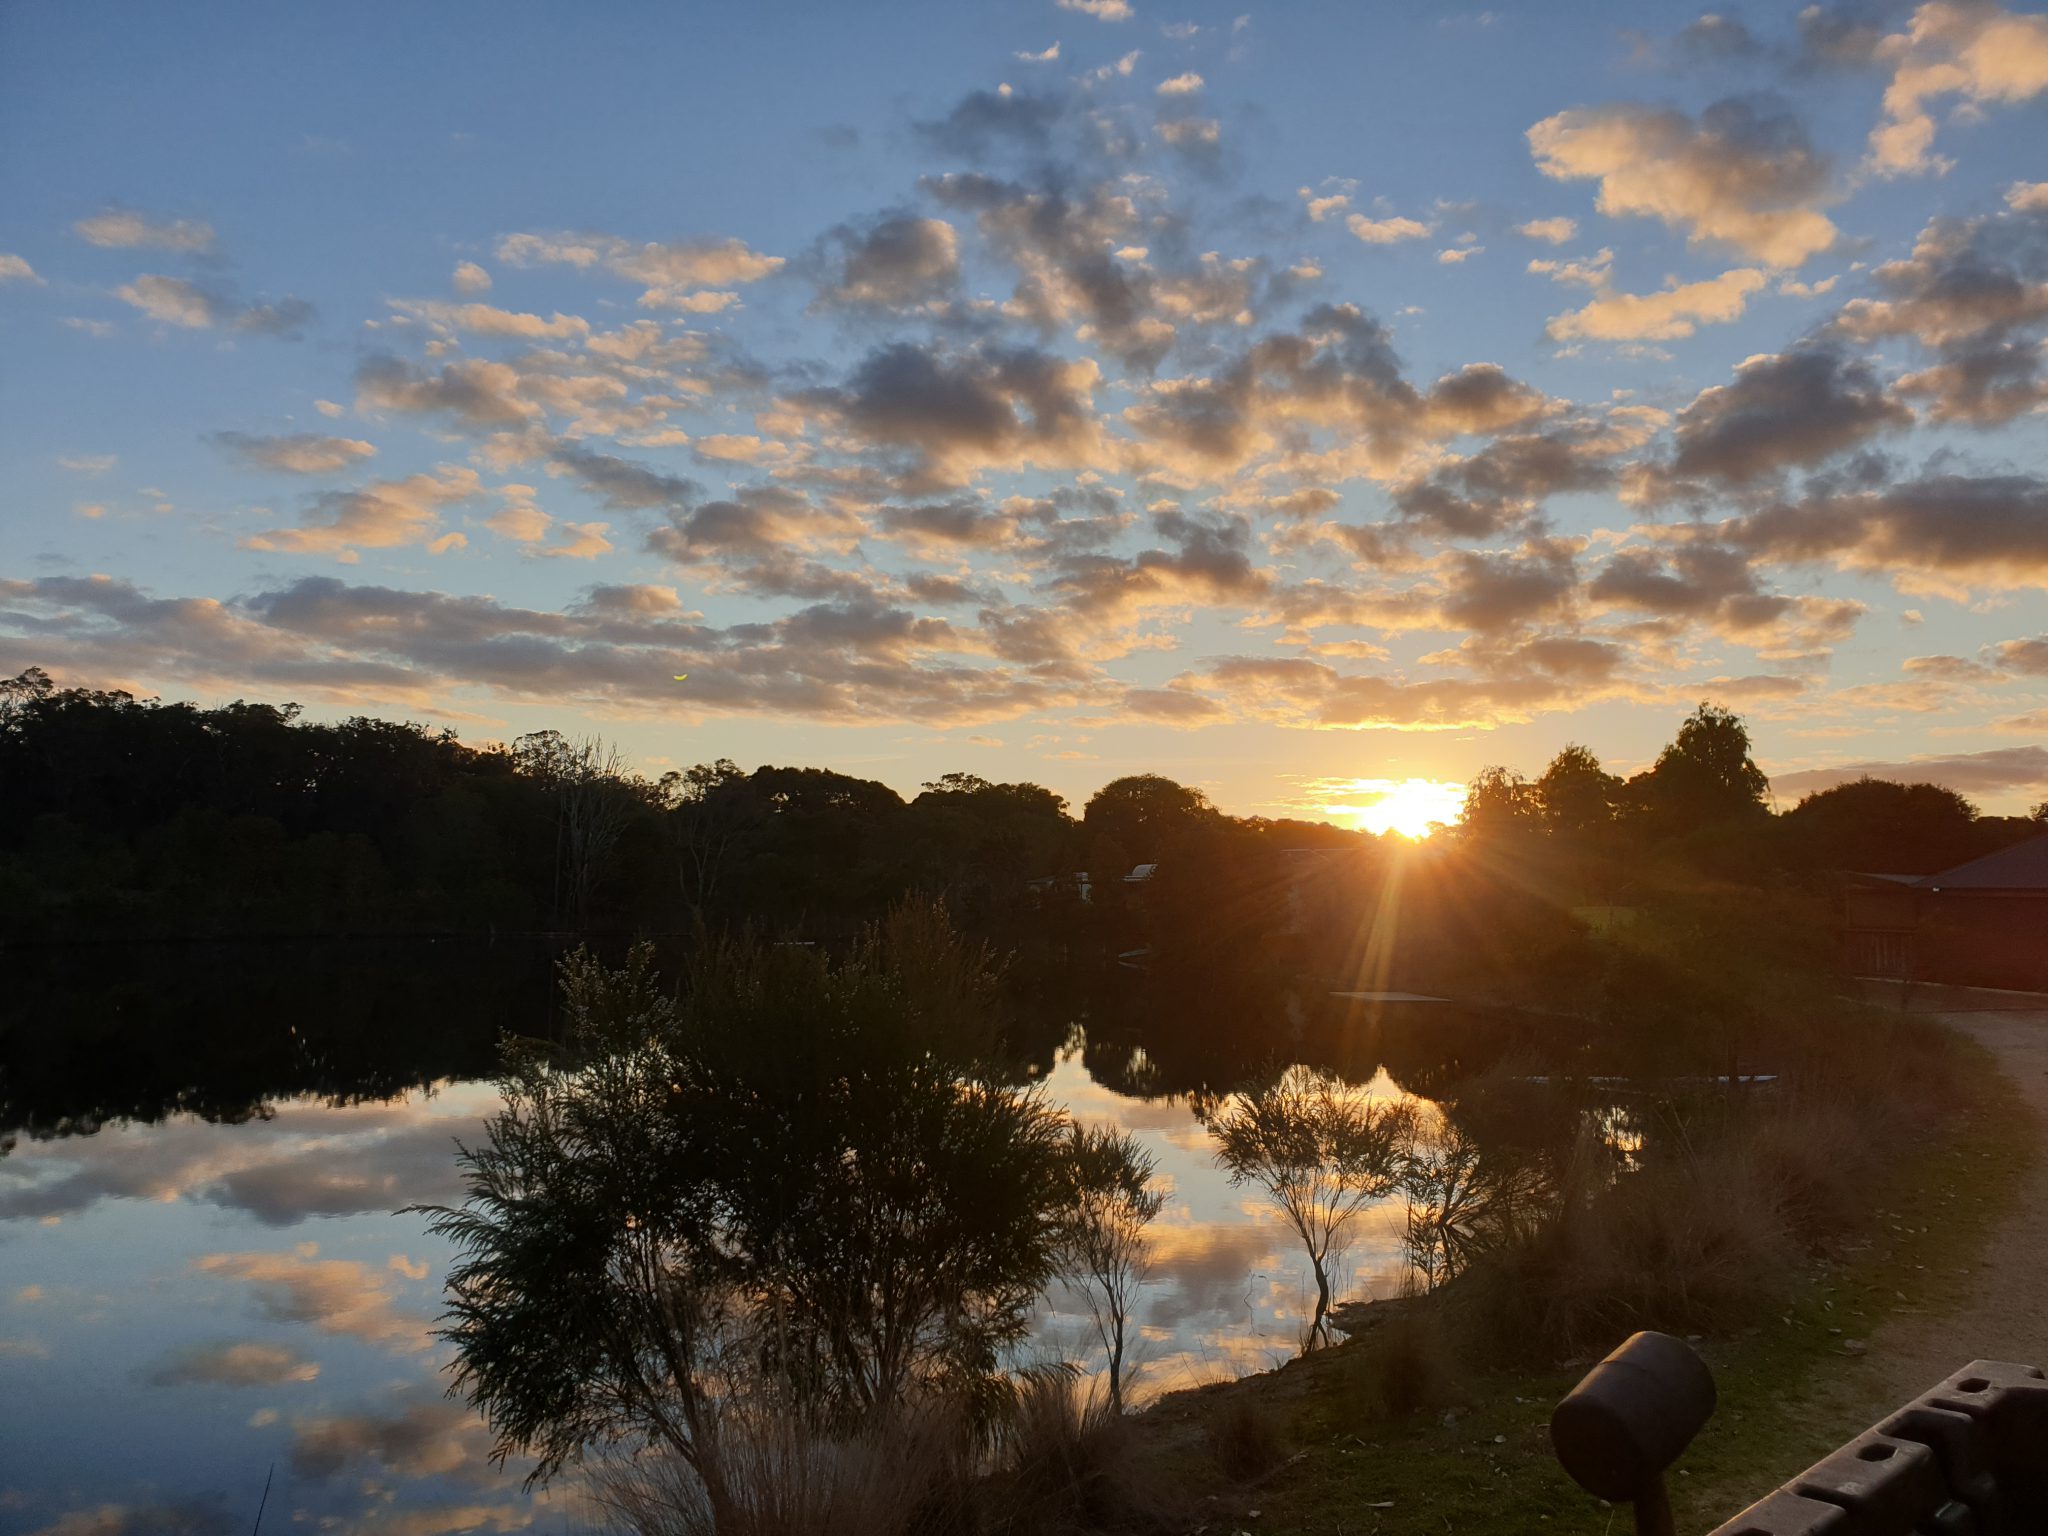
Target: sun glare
x: 1411, y: 807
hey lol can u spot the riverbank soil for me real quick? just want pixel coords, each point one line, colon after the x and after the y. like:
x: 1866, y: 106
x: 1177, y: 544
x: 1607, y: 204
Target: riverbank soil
x: 1948, y: 1272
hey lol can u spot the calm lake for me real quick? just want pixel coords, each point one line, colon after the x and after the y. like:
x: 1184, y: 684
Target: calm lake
x: 204, y: 1284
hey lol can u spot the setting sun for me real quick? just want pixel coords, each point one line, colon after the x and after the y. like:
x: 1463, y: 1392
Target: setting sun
x: 1411, y: 807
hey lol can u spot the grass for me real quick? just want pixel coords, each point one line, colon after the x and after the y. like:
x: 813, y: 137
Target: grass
x: 1486, y: 1467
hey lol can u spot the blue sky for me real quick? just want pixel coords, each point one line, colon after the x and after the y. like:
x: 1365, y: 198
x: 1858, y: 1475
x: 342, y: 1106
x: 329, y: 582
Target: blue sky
x: 1265, y: 397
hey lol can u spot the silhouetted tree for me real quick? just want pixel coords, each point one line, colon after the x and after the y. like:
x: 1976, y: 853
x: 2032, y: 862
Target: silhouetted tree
x: 796, y: 1184
x: 1142, y: 813
x: 1322, y: 1151
x: 1705, y: 775
x: 1499, y: 800
x: 1879, y: 826
x: 1112, y: 1203
x: 1575, y: 795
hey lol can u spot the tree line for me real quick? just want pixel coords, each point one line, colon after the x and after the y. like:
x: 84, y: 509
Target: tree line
x: 146, y: 817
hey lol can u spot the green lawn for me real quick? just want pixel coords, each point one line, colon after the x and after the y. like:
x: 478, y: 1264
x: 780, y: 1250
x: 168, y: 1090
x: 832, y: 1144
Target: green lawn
x: 1788, y: 1391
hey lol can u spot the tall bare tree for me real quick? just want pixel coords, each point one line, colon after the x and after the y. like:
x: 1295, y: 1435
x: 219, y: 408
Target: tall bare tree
x: 595, y: 800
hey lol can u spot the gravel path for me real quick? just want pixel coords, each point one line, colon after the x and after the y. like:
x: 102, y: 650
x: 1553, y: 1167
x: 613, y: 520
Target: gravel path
x: 2003, y: 1314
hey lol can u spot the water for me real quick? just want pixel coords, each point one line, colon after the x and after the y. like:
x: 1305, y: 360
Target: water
x: 189, y: 1300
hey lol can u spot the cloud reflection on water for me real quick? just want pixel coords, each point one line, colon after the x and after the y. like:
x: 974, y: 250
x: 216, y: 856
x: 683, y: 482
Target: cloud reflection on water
x: 143, y: 1245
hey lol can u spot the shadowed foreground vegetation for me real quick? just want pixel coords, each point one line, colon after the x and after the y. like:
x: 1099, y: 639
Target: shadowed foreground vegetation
x: 758, y: 1251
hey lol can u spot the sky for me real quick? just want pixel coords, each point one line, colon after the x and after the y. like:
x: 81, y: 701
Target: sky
x: 1275, y: 398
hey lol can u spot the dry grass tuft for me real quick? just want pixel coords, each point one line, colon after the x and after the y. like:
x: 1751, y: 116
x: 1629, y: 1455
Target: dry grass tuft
x: 1243, y: 1439
x: 1410, y: 1366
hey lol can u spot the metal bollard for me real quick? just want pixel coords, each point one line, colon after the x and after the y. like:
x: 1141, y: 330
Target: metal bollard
x: 1629, y: 1419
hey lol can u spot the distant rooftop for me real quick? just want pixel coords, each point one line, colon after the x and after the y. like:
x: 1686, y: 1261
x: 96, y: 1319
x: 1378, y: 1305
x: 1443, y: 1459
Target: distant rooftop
x: 2022, y: 867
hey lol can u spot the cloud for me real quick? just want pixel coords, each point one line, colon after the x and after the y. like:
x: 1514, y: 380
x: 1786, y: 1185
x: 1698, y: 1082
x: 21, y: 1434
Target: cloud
x: 852, y: 656
x: 386, y: 514
x: 682, y: 274
x: 420, y: 1441
x: 1716, y: 39
x: 1745, y: 175
x: 1670, y: 314
x: 1101, y: 10
x: 1076, y: 267
x: 1939, y: 531
x: 896, y: 262
x: 124, y: 229
x: 1783, y: 411
x: 1508, y: 480
x: 297, y: 453
x: 1998, y: 771
x: 14, y: 269
x: 958, y: 413
x: 1043, y: 56
x: 1302, y: 692
x: 1966, y: 48
x: 185, y: 1519
x: 171, y: 300
x: 620, y: 483
x: 246, y: 1364
x: 337, y: 1296
x: 1974, y: 295
x: 489, y: 320
x: 175, y: 301
x: 1321, y: 207
x: 982, y: 123
x: 1550, y: 231
x: 1198, y: 138
x: 1189, y: 84
x: 87, y: 464
x: 471, y: 278
x: 1709, y: 584
x: 474, y: 390
x: 1385, y: 231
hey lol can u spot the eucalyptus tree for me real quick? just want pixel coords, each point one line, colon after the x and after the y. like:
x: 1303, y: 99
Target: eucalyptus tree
x: 1322, y: 1150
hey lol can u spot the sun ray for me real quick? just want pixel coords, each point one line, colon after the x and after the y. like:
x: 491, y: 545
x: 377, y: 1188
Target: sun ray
x: 1412, y: 807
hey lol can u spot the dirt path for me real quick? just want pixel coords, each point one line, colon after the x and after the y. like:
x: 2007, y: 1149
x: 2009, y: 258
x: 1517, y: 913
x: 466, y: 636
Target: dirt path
x: 2003, y: 1313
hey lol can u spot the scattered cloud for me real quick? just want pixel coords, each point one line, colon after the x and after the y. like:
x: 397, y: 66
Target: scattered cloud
x: 1744, y: 175
x: 295, y: 453
x: 1966, y: 48
x: 193, y: 306
x: 1386, y: 231
x: 245, y: 1364
x: 125, y: 229
x: 1670, y: 314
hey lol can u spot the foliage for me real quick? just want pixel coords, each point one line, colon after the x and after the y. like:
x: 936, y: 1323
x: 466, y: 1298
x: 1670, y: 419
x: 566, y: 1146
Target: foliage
x: 1576, y: 796
x: 1876, y: 826
x: 792, y: 1190
x: 1706, y: 774
x: 1322, y: 1151
x: 1112, y: 1202
x: 1499, y: 800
